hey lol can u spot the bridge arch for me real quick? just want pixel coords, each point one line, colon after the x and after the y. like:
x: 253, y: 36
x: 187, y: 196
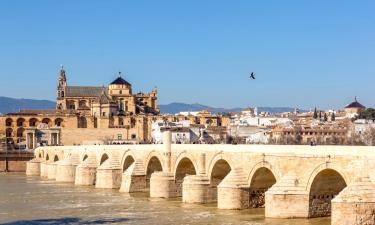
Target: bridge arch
x: 47, y: 157
x: 150, y: 156
x: 184, y: 166
x: 324, y: 184
x: 104, y: 157
x: 220, y: 167
x: 153, y: 164
x: 56, y: 158
x: 85, y: 157
x: 260, y: 179
x: 128, y: 161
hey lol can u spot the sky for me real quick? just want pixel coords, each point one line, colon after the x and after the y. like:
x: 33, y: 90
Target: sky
x: 305, y: 54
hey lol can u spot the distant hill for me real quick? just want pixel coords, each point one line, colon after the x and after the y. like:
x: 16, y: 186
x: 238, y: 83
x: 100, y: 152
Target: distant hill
x: 174, y: 108
x: 8, y: 105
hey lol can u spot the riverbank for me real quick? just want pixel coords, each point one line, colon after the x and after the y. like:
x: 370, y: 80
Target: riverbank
x: 14, y: 161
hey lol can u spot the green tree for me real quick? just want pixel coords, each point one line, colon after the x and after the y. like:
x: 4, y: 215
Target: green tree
x: 315, y: 114
x: 368, y: 114
x: 333, y: 117
x: 325, y: 117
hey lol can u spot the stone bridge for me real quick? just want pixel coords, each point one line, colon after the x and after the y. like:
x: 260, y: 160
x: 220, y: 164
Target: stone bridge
x: 289, y: 181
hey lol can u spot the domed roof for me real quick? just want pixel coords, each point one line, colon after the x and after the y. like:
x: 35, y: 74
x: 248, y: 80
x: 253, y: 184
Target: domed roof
x: 120, y: 81
x: 355, y: 104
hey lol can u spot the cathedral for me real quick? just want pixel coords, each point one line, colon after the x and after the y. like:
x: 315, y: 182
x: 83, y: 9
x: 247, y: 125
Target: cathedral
x: 85, y: 115
x: 115, y: 100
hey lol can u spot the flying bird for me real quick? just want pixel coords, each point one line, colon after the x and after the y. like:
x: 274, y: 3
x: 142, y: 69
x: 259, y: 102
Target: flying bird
x: 252, y: 76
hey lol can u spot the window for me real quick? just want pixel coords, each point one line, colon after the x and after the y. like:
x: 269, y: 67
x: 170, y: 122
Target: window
x: 134, y: 136
x: 103, y: 113
x: 119, y: 136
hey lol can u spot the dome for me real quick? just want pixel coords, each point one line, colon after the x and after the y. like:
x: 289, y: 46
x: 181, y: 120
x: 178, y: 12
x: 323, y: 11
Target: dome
x: 120, y: 81
x: 355, y: 104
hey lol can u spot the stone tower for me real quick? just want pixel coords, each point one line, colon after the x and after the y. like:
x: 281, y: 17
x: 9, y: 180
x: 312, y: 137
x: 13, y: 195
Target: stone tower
x: 61, y: 88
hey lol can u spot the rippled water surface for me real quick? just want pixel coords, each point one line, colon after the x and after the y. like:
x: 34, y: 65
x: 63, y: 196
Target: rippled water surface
x: 31, y: 200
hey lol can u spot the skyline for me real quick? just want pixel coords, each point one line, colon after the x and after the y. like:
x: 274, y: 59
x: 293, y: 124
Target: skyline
x: 304, y: 54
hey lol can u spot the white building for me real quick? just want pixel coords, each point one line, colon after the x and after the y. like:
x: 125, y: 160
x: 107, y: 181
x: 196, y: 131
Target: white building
x: 181, y: 133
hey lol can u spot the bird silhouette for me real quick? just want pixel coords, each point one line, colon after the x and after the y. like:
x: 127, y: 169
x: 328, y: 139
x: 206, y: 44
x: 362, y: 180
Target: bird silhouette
x: 252, y: 76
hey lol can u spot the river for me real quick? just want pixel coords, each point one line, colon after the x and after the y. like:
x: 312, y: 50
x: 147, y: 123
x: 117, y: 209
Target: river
x: 32, y: 200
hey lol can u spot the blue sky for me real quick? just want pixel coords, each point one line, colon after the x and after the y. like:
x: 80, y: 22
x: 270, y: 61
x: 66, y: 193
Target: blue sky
x: 305, y: 53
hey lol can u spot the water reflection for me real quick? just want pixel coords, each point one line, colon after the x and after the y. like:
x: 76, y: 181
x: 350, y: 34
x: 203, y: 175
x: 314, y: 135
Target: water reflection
x: 31, y: 200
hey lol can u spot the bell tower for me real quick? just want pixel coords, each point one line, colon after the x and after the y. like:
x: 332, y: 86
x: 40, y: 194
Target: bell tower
x: 61, y: 89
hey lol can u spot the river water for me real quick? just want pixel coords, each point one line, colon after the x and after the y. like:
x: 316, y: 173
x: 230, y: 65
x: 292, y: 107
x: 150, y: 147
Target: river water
x: 32, y: 200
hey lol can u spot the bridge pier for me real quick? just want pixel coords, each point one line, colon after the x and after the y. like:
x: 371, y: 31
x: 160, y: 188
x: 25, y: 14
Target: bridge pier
x: 108, y: 175
x: 286, y: 199
x: 233, y: 191
x: 196, y: 189
x: 163, y: 185
x: 355, y: 204
x: 33, y: 167
x: 86, y: 172
x: 66, y: 169
x: 43, y: 169
x: 51, y: 171
x: 134, y: 179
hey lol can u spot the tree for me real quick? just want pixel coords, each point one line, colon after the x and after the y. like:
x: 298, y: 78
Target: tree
x: 325, y: 117
x: 315, y: 114
x: 320, y: 115
x: 368, y: 114
x: 333, y: 117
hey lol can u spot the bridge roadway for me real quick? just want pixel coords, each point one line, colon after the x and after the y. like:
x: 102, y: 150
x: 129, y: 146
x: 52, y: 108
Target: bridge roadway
x: 289, y: 181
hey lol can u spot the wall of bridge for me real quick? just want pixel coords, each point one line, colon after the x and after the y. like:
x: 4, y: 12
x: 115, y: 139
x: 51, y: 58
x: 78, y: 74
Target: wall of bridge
x: 289, y: 181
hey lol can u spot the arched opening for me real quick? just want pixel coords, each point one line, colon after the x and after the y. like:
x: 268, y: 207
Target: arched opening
x: 185, y: 167
x: 220, y: 170
x: 33, y: 122
x: 261, y: 181
x: 9, y: 132
x: 82, y: 104
x: 82, y: 122
x: 129, y: 160
x: 71, y: 105
x: 153, y: 165
x: 103, y: 159
x: 59, y: 122
x: 47, y: 157
x: 47, y: 121
x: 85, y: 157
x: 40, y: 155
x: 20, y: 132
x: 20, y: 122
x: 8, y: 122
x: 326, y: 185
x: 56, y: 158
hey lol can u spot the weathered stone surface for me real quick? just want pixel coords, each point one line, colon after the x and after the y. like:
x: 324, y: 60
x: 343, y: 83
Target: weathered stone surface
x: 66, y: 169
x: 51, y: 171
x: 289, y: 181
x: 233, y: 191
x: 163, y: 185
x: 108, y: 175
x: 33, y: 167
x: 196, y: 189
x: 287, y: 199
x: 86, y: 172
x: 355, y: 204
x: 134, y: 178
